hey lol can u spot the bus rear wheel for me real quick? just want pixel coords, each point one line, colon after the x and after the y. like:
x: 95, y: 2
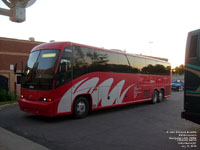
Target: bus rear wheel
x: 81, y: 107
x: 154, y: 97
x: 161, y: 96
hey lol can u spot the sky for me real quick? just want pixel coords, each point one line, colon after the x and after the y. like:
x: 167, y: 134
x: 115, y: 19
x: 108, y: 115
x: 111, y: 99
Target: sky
x: 149, y: 27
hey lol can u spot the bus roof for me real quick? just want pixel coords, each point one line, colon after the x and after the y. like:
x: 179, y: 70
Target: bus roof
x: 62, y: 45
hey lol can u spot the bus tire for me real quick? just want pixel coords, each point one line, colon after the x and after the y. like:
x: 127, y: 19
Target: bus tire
x: 179, y: 89
x: 81, y: 107
x: 154, y: 97
x: 161, y: 96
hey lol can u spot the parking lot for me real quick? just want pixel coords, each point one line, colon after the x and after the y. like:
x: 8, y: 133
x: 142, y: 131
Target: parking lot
x: 139, y: 126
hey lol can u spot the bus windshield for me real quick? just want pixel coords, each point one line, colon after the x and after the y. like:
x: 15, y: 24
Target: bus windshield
x: 40, y: 70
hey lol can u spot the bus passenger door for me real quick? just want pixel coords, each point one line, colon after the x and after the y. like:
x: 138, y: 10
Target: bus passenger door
x: 63, y: 82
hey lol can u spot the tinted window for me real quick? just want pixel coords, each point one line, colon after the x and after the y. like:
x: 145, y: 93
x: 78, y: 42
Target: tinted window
x: 90, y: 60
x: 160, y: 69
x: 193, y: 46
x: 123, y: 64
x: 148, y: 66
x: 167, y: 68
x: 110, y: 62
x: 157, y: 67
x: 137, y: 64
x: 99, y: 61
x: 82, y: 61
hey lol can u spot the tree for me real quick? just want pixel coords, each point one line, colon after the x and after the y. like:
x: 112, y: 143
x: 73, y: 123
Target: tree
x: 179, y: 70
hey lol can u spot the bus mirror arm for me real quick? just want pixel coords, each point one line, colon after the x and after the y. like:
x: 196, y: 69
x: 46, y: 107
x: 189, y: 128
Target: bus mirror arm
x: 15, y: 68
x: 22, y: 69
x: 55, y: 76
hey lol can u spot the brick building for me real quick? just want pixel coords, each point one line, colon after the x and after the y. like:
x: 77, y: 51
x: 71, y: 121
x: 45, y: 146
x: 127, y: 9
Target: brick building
x: 13, y: 51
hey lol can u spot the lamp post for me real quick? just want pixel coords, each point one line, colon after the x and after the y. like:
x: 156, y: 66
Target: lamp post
x: 17, y: 11
x: 150, y: 46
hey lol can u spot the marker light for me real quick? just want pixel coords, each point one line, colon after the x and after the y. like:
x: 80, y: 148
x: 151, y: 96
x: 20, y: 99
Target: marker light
x: 49, y: 100
x: 21, y: 96
x: 46, y: 99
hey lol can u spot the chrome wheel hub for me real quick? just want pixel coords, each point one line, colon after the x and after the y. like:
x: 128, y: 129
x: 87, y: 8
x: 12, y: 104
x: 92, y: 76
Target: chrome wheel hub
x: 81, y: 107
x: 155, y: 98
x: 160, y: 96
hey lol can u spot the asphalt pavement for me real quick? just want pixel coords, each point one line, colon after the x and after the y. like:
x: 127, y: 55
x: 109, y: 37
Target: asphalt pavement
x: 12, y: 141
x: 133, y: 127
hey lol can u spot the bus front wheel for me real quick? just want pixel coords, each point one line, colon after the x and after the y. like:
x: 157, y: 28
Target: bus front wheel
x: 81, y: 107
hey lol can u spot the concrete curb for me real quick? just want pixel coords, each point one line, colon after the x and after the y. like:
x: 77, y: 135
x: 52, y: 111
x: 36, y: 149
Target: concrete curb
x: 8, y: 105
x: 11, y: 141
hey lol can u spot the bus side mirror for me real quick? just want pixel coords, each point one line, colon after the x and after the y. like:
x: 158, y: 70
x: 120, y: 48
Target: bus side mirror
x: 15, y: 68
x: 22, y: 68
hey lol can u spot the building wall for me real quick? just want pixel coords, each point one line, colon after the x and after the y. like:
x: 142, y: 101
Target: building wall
x: 14, y: 51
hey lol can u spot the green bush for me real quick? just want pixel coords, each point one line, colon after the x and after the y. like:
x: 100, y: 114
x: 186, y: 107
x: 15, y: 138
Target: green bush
x: 6, y: 96
x: 11, y: 96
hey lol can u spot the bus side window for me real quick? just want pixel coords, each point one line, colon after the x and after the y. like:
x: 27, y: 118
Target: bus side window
x: 137, y: 64
x: 82, y: 61
x: 193, y: 46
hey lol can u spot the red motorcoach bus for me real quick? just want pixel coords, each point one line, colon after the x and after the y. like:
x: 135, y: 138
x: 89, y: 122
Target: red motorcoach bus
x: 69, y: 78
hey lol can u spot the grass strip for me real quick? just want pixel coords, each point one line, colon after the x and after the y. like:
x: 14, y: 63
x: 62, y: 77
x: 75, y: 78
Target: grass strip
x: 7, y: 102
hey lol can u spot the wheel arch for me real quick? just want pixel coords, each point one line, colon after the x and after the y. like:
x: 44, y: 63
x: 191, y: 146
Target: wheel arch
x: 162, y: 89
x: 155, y: 89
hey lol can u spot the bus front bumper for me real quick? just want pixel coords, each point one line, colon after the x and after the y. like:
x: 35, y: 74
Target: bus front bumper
x: 37, y: 107
x: 194, y: 117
